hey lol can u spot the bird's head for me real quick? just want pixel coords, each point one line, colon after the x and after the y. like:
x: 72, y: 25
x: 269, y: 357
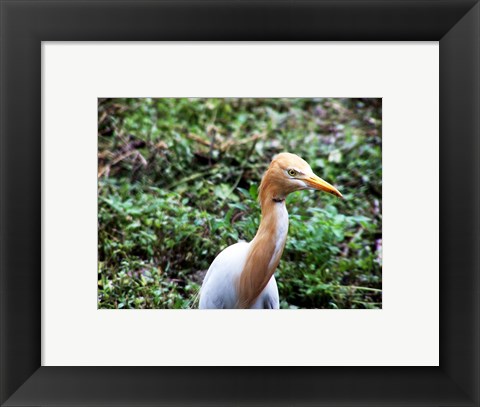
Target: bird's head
x: 288, y: 173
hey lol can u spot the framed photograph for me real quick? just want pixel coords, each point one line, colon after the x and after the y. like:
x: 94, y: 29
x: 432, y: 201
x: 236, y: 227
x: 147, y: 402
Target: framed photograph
x: 162, y: 203
x: 155, y: 156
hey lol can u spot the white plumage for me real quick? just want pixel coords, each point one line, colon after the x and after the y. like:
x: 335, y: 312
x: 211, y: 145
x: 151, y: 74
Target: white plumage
x: 219, y: 285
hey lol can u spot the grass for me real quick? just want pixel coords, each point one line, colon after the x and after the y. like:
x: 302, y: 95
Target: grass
x: 178, y: 183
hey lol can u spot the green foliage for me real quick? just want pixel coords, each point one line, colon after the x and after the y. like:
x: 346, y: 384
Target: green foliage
x: 178, y: 183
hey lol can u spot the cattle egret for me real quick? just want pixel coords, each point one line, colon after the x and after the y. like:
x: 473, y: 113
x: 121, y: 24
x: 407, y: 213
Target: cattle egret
x: 241, y: 276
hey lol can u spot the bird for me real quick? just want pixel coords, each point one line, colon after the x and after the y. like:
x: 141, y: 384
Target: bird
x: 242, y: 275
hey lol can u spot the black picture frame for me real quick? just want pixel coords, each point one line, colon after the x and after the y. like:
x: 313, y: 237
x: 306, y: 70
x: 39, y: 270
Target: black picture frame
x: 24, y: 24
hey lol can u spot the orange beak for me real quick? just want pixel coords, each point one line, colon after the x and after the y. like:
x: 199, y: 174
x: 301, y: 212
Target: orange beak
x: 318, y: 183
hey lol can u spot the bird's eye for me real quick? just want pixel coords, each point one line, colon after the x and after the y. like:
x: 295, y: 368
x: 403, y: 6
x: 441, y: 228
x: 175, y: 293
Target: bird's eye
x: 292, y: 172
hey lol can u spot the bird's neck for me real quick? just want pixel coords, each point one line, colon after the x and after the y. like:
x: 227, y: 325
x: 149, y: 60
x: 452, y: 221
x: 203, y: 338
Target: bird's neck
x: 265, y: 251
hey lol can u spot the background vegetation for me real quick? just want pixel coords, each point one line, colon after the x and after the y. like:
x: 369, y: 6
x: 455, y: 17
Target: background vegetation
x: 177, y: 183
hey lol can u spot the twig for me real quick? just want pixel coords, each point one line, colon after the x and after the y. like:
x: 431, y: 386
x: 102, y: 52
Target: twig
x: 356, y: 287
x: 192, y: 177
x: 198, y: 139
x: 254, y: 138
x: 123, y: 156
